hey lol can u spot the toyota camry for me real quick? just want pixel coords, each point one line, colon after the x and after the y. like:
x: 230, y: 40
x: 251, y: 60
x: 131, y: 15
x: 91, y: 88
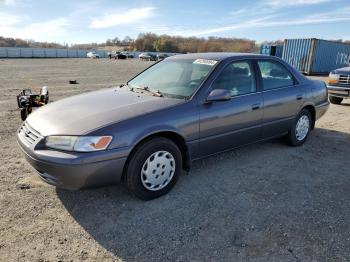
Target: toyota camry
x: 184, y: 108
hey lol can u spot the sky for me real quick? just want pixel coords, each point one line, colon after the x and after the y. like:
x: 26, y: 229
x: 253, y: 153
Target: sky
x: 66, y: 21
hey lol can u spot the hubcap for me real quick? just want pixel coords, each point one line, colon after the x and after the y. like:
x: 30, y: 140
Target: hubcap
x: 158, y: 170
x: 302, y: 127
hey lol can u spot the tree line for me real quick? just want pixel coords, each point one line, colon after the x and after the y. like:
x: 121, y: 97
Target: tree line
x: 177, y: 44
x: 17, y: 42
x: 149, y: 42
x: 180, y: 44
x: 152, y: 42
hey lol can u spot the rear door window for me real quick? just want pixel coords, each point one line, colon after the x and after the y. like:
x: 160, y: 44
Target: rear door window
x: 274, y: 75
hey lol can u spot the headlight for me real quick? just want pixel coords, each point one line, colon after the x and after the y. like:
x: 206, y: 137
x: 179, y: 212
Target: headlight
x: 333, y: 78
x: 78, y: 143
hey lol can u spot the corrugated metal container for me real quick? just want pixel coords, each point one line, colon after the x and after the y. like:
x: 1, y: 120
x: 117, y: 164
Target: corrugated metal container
x: 51, y: 52
x: 13, y: 52
x: 61, y: 52
x: 81, y: 53
x: 316, y: 56
x: 274, y: 50
x: 3, y: 52
x: 17, y: 52
x: 72, y: 53
x: 38, y: 52
x: 26, y: 52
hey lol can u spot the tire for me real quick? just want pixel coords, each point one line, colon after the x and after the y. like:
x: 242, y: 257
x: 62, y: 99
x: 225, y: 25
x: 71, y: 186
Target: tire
x: 163, y: 167
x: 335, y: 100
x: 303, y: 119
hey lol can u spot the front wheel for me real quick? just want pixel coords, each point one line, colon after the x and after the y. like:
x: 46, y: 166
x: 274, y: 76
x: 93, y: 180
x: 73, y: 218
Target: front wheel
x: 335, y: 100
x: 153, y: 168
x: 300, y: 130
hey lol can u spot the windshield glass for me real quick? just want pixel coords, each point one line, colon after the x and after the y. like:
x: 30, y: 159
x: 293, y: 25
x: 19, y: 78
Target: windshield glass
x: 174, y: 78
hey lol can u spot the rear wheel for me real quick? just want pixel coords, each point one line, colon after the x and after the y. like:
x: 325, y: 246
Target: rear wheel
x: 153, y: 168
x: 301, y: 128
x: 335, y: 100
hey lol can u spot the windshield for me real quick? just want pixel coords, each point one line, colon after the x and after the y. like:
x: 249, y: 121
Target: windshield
x: 174, y: 78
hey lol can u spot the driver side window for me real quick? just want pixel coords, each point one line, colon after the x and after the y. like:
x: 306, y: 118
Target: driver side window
x: 238, y: 78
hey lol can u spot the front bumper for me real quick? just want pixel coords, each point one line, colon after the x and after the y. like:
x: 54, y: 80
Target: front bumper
x: 72, y: 170
x: 339, y: 91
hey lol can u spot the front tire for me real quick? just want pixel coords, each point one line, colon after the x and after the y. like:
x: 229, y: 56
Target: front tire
x: 153, y: 168
x: 300, y: 130
x: 335, y: 100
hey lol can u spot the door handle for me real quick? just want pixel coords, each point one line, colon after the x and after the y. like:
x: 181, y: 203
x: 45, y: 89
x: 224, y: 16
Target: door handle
x: 299, y: 97
x: 255, y: 106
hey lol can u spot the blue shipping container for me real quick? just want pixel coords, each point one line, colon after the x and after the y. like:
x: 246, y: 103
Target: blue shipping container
x: 17, y: 52
x: 274, y: 50
x: 316, y: 56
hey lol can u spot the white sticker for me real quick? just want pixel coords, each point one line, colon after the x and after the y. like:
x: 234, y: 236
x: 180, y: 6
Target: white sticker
x: 205, y: 62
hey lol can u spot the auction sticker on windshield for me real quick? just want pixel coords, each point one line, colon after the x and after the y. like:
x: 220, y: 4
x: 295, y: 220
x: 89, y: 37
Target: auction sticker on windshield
x: 205, y: 62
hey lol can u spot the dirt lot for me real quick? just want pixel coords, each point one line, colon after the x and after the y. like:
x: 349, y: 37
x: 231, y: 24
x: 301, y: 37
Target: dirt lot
x: 266, y: 202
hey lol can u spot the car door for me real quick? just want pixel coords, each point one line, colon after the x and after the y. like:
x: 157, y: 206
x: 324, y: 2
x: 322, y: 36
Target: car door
x: 228, y: 124
x: 282, y: 96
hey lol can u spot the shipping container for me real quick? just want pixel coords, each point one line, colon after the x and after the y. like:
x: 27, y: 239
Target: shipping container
x: 51, y: 52
x: 39, y: 52
x: 26, y: 52
x: 72, y: 53
x: 316, y: 56
x: 17, y: 52
x: 13, y: 52
x: 274, y: 50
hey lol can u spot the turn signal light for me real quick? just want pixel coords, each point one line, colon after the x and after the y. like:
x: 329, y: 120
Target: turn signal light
x: 332, y: 81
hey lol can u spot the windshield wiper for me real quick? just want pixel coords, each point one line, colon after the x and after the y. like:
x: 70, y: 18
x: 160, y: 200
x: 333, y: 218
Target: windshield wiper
x: 147, y: 89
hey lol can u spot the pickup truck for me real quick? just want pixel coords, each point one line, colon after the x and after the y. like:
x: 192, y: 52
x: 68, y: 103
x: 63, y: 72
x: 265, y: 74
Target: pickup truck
x: 339, y: 85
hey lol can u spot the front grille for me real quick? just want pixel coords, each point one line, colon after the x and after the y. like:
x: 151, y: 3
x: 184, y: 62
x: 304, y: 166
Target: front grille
x: 29, y: 135
x: 344, y: 80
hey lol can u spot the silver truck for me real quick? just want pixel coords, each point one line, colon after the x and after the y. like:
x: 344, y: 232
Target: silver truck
x: 339, y: 85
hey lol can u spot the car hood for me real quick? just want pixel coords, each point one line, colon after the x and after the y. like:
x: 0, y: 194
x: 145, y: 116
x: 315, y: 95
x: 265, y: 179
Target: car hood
x: 77, y: 115
x: 342, y: 71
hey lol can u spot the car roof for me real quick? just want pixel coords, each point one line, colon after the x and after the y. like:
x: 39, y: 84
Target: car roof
x: 219, y: 56
x: 223, y: 56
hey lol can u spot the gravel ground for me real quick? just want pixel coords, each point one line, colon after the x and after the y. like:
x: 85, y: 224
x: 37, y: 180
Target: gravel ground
x: 265, y: 202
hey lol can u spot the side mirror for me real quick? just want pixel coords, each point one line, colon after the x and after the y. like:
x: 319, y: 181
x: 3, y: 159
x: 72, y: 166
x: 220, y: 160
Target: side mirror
x: 218, y: 95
